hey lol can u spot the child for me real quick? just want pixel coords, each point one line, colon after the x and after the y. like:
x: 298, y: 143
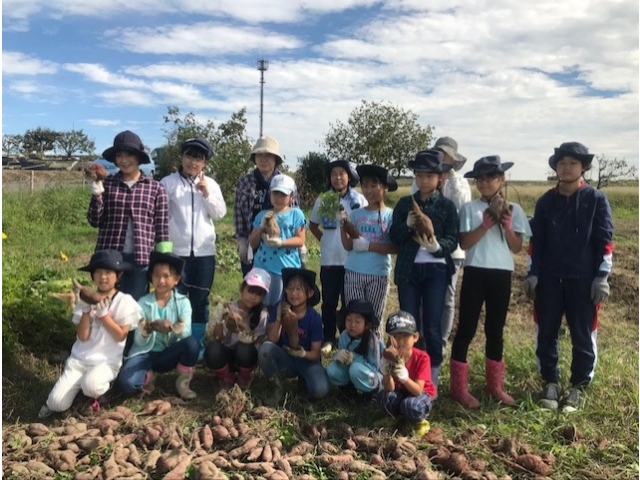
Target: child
x: 163, y: 339
x: 342, y: 180
x: 195, y: 201
x: 231, y: 354
x: 489, y: 236
x: 425, y: 242
x: 571, y: 254
x: 96, y: 355
x: 357, y: 361
x: 130, y: 210
x: 407, y: 388
x: 368, y: 263
x: 277, y: 355
x: 273, y: 253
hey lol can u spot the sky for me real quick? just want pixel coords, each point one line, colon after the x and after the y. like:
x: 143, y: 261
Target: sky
x: 514, y: 79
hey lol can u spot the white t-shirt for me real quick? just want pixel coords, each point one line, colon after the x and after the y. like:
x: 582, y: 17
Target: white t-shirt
x: 101, y: 347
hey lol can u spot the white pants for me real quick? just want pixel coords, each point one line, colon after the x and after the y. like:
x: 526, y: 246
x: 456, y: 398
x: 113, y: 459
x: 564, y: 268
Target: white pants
x: 93, y: 380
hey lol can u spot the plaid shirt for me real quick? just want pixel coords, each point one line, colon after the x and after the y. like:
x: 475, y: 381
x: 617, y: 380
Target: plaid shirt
x: 145, y: 203
x: 244, y: 203
x: 444, y: 217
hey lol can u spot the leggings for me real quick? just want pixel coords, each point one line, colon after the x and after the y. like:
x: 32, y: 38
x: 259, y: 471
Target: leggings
x: 243, y: 355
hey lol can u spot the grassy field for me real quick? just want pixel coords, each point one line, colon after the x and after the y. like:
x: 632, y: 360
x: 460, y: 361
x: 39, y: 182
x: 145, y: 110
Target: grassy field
x: 48, y: 238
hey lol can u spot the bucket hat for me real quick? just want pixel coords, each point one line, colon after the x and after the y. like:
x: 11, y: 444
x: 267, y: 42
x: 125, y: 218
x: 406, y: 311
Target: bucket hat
x: 401, y: 322
x: 282, y: 183
x: 257, y: 277
x: 169, y: 258
x: 199, y: 143
x: 350, y: 169
x: 364, y: 308
x: 430, y: 161
x: 267, y: 145
x: 571, y: 149
x: 379, y: 172
x: 488, y: 166
x: 108, y: 259
x: 129, y: 142
x: 309, y: 277
x: 449, y: 146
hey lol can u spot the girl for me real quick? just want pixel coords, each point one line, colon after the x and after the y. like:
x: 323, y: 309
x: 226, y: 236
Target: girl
x: 96, y: 355
x: 425, y: 242
x: 275, y: 252
x: 368, y: 263
x: 231, y: 354
x: 163, y: 339
x: 276, y: 354
x: 489, y: 242
x: 342, y: 180
x: 357, y: 361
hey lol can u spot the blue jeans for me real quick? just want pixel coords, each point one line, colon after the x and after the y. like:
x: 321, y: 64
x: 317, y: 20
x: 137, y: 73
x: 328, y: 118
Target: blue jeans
x: 274, y: 359
x: 426, y: 289
x: 135, y: 283
x: 134, y: 370
x: 196, y: 284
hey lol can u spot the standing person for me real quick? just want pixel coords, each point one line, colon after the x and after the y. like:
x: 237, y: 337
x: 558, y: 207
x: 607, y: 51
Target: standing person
x: 195, y: 202
x: 275, y: 252
x: 571, y: 253
x: 130, y: 210
x: 163, y: 340
x: 342, y: 181
x: 252, y: 195
x: 424, y: 266
x: 368, y: 263
x: 232, y: 353
x: 101, y: 332
x: 489, y: 239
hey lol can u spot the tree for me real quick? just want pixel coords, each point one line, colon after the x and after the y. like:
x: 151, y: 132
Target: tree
x: 12, y: 144
x: 74, y: 141
x: 609, y: 170
x: 40, y: 140
x: 311, y: 177
x: 378, y: 133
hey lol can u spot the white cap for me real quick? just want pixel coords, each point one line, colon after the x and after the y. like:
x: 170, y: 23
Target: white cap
x: 282, y: 183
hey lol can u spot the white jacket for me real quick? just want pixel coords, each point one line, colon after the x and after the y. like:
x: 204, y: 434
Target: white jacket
x: 191, y: 215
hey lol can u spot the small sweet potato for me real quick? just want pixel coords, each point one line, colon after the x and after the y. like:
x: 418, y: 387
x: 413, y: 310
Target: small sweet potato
x: 328, y: 460
x: 220, y: 433
x: 180, y: 470
x: 157, y: 407
x: 134, y: 455
x: 37, y: 430
x: 366, y: 444
x: 170, y: 459
x: 255, y: 453
x: 152, y: 460
x: 284, y: 465
x: 301, y: 448
x: 206, y: 437
x: 96, y: 171
x: 87, y: 294
x: 267, y: 453
x: 245, y: 448
x: 534, y: 464
x: 64, y: 460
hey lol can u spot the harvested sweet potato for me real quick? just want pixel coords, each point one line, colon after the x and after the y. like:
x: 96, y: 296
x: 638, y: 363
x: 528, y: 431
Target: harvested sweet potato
x: 301, y: 448
x: 96, y: 171
x: 206, y: 437
x: 37, y: 430
x: 157, y: 407
x: 107, y: 426
x: 424, y: 226
x: 64, y: 460
x: 349, y: 227
x: 366, y: 444
x: 87, y: 294
x: 534, y: 464
x: 152, y: 460
x: 271, y: 229
x: 220, y: 433
x: 267, y: 453
x: 328, y: 460
x: 255, y: 453
x: 245, y: 448
x: 180, y: 470
x: 170, y: 459
x: 391, y: 352
x: 134, y: 455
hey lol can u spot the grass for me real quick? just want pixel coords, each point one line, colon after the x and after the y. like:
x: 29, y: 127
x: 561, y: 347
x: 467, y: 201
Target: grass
x: 37, y: 336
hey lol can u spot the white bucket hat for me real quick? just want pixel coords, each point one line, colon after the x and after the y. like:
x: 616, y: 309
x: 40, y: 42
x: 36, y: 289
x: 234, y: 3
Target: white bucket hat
x: 449, y: 146
x: 267, y: 145
x: 282, y: 183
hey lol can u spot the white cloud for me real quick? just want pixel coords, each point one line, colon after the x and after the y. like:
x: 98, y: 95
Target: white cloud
x: 102, y: 122
x: 17, y: 63
x: 124, y: 97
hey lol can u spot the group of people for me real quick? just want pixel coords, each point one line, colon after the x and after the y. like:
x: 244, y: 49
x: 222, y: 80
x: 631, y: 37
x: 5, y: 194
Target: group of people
x: 163, y: 233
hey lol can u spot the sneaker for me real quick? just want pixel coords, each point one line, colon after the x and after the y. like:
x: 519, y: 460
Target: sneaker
x: 44, y: 412
x: 573, y: 402
x: 421, y: 427
x: 326, y: 348
x: 550, y: 396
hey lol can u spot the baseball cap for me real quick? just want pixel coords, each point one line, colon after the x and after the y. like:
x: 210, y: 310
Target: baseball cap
x: 401, y: 322
x: 257, y: 277
x: 282, y: 183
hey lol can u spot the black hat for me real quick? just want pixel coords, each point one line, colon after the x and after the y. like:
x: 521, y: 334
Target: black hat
x: 129, y: 142
x: 349, y: 167
x: 401, y: 322
x: 170, y: 259
x: 364, y: 308
x: 430, y: 161
x: 199, y: 143
x: 309, y: 277
x: 108, y: 259
x: 488, y: 166
x: 571, y: 149
x: 380, y: 172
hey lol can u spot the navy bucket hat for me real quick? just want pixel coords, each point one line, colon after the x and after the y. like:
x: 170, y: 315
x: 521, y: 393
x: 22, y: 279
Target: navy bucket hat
x: 488, y: 166
x: 364, y: 308
x: 350, y: 168
x: 379, y: 172
x: 199, y: 143
x: 127, y: 141
x: 571, y: 149
x: 309, y: 277
x: 430, y: 161
x: 109, y: 260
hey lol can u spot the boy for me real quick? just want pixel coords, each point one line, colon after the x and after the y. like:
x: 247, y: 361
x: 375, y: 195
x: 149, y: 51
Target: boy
x: 96, y: 355
x: 407, y: 387
x: 570, y: 260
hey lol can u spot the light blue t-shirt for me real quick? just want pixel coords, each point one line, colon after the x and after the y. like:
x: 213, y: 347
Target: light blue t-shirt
x: 492, y: 250
x: 373, y: 226
x: 274, y: 259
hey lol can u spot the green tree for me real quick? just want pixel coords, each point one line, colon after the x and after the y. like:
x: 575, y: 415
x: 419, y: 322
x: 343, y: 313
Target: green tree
x: 74, y: 141
x: 12, y: 144
x: 40, y: 140
x: 379, y: 133
x: 311, y: 177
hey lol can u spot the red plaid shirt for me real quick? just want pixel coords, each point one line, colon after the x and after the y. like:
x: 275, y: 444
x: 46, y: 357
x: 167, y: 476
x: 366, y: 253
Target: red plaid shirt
x: 145, y: 203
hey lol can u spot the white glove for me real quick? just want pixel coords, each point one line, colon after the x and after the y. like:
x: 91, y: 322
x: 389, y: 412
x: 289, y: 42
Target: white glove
x: 246, y: 337
x: 432, y: 245
x: 80, y: 304
x: 299, y: 353
x: 401, y: 373
x: 341, y: 216
x: 96, y: 188
x: 102, y: 308
x: 385, y: 366
x: 302, y: 251
x: 272, y: 241
x: 529, y: 286
x: 344, y: 356
x: 243, y: 249
x: 600, y: 290
x: 411, y: 219
x: 360, y: 244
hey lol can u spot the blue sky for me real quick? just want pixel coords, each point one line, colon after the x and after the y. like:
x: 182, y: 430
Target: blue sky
x: 501, y: 77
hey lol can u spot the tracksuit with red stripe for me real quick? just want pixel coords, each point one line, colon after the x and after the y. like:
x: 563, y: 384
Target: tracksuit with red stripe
x: 571, y: 245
